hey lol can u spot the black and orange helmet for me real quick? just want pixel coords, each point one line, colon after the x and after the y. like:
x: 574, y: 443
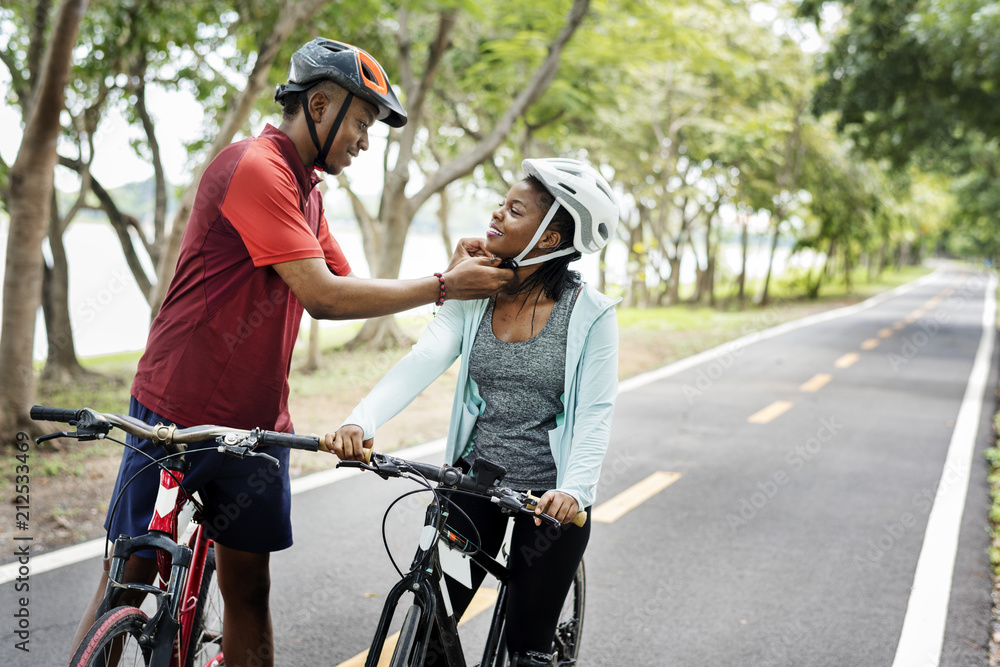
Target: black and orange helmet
x: 349, y: 67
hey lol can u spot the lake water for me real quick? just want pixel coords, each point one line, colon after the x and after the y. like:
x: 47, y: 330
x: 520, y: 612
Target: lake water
x: 109, y: 313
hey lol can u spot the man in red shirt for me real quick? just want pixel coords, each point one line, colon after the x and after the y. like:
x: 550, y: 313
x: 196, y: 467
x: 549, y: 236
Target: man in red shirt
x: 256, y: 253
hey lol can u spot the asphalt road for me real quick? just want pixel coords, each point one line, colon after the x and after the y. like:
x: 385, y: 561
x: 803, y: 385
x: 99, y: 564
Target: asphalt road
x: 809, y: 461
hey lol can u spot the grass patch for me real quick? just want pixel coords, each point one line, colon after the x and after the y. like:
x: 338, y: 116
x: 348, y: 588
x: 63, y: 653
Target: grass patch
x: 993, y: 477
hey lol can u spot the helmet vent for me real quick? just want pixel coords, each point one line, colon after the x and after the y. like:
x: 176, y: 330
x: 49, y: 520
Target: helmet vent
x: 602, y: 229
x: 568, y: 189
x: 605, y: 190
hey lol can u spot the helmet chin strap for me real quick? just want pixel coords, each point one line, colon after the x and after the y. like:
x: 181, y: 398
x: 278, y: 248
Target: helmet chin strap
x: 324, y: 150
x: 520, y: 261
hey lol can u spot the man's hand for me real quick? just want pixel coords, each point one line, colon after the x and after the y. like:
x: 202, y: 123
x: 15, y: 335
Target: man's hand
x: 560, y: 506
x: 467, y: 248
x: 347, y: 444
x: 476, y: 278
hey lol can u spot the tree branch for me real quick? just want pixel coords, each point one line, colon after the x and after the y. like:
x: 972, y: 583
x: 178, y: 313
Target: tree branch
x: 396, y: 180
x: 369, y: 230
x: 160, y: 208
x: 542, y: 77
x: 119, y: 221
x: 36, y: 46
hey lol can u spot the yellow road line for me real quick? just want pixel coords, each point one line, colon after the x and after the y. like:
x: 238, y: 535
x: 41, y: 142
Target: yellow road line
x: 869, y: 344
x: 847, y: 360
x: 884, y: 333
x: 898, y: 325
x: 816, y: 382
x: 484, y: 599
x: 770, y: 413
x: 630, y: 498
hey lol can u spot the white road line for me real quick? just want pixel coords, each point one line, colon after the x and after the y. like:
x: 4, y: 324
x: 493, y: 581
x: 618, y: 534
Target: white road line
x: 922, y: 637
x: 94, y: 548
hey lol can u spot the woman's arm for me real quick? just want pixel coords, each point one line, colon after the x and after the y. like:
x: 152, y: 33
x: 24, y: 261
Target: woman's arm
x: 433, y: 354
x: 597, y: 390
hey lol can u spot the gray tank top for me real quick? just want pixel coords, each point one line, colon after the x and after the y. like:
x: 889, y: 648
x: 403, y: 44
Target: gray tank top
x: 521, y: 384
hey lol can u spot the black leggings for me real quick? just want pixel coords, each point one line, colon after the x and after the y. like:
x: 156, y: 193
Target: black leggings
x: 543, y: 562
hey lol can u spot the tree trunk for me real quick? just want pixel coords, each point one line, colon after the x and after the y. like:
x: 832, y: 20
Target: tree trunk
x: 602, y: 270
x: 61, y: 363
x: 384, y: 261
x: 312, y: 357
x: 31, y: 186
x: 765, y: 295
x: 443, y: 213
x: 744, y: 243
x: 674, y: 280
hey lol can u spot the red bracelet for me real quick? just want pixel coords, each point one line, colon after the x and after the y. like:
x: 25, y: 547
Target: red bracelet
x: 440, y: 301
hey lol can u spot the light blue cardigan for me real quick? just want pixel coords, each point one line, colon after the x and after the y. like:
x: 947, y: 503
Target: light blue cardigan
x: 580, y: 439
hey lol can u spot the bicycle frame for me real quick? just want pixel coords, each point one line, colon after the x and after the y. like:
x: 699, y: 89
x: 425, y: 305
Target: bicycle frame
x: 424, y: 582
x: 180, y: 569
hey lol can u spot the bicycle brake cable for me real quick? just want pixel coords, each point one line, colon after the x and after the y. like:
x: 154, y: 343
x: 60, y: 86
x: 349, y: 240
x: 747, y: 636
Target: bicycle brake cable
x: 385, y: 516
x: 152, y: 462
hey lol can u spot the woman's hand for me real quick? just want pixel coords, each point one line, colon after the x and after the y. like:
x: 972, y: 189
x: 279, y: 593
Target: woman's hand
x: 347, y: 443
x: 558, y: 505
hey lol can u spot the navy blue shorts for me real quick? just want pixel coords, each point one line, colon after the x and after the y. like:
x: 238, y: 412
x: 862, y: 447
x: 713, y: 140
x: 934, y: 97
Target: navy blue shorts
x: 247, y: 502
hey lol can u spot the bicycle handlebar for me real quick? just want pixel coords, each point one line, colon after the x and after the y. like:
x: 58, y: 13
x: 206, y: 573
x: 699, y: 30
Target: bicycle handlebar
x: 448, y: 476
x: 101, y: 423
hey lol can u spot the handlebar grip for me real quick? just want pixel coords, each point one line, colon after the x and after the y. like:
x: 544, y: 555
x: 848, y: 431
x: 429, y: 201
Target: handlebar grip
x: 290, y: 440
x: 579, y: 520
x: 44, y: 413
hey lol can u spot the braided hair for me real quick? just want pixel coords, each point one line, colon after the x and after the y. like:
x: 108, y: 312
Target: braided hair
x: 554, y: 275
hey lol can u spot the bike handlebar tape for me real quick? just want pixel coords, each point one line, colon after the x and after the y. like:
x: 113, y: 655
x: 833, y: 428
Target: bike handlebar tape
x: 290, y: 440
x: 43, y: 413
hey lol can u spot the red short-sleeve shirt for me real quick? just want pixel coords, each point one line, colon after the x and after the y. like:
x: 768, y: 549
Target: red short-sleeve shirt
x: 220, y: 349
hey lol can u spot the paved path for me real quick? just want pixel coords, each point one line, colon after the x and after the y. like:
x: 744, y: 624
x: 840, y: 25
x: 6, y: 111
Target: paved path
x: 809, y: 469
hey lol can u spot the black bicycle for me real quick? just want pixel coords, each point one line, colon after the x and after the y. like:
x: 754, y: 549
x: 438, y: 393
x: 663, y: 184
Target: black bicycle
x: 429, y: 606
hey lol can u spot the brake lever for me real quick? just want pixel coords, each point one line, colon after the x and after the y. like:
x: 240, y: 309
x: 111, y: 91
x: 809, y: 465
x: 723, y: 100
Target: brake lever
x: 244, y: 451
x: 52, y: 436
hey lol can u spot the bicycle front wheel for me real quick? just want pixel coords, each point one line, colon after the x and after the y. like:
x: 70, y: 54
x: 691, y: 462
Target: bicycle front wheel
x: 566, y: 645
x: 113, y: 640
x: 205, y: 648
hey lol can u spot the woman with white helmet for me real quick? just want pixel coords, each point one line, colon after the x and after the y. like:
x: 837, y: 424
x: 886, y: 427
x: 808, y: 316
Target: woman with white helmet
x: 535, y: 393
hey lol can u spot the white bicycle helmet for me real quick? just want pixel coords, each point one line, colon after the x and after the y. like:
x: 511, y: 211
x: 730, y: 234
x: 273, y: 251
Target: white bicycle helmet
x: 585, y: 194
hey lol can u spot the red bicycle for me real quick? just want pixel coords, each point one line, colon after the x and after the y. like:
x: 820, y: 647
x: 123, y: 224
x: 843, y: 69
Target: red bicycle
x: 185, y: 630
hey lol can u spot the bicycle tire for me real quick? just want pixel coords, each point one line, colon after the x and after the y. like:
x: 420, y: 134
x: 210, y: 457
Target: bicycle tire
x: 121, y: 623
x: 407, y: 638
x: 566, y: 644
x: 205, y: 649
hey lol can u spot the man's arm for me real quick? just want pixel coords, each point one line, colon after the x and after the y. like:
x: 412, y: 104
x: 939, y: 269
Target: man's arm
x: 327, y: 296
